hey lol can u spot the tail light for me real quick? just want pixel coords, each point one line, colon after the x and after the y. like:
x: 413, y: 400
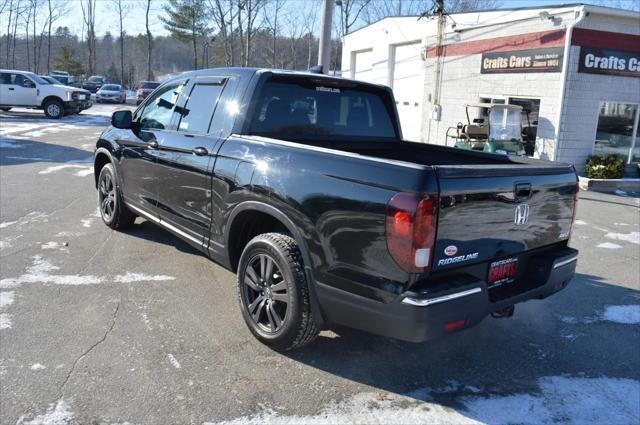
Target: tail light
x: 411, y: 230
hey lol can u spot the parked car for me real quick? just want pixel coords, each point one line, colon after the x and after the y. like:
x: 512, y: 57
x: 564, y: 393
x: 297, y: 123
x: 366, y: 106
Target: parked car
x: 145, y: 88
x: 83, y: 104
x: 94, y: 83
x: 65, y: 78
x: 28, y: 90
x: 303, y: 186
x: 113, y: 93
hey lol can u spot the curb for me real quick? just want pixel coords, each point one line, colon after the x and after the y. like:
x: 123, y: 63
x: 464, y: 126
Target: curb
x: 628, y: 185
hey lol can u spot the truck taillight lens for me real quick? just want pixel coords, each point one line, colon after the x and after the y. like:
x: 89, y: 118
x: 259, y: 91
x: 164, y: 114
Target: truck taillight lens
x: 411, y: 230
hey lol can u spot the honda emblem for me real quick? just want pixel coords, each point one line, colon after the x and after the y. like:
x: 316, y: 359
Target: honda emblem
x: 522, y: 214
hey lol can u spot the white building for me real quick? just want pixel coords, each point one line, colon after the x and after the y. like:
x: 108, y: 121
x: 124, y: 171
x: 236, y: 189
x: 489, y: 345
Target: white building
x: 577, y: 65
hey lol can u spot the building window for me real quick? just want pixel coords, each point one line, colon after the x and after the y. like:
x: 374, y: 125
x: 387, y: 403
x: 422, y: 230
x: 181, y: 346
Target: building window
x: 617, y: 132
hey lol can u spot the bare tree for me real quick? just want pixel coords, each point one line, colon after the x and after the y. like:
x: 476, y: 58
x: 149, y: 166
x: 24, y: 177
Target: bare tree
x: 89, y: 19
x: 271, y: 19
x: 350, y: 11
x: 56, y: 10
x: 11, y: 12
x: 149, y: 40
x: 121, y: 9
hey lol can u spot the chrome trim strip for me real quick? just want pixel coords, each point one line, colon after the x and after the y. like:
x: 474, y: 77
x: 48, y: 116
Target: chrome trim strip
x: 165, y: 224
x: 565, y: 262
x: 431, y: 301
x: 143, y: 212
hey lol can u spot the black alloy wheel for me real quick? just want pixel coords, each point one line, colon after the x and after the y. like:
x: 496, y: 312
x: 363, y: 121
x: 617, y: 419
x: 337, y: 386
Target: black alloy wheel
x: 107, y: 196
x: 265, y: 293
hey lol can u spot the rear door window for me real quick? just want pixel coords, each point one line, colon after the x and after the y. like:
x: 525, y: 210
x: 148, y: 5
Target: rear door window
x: 197, y: 113
x: 309, y: 109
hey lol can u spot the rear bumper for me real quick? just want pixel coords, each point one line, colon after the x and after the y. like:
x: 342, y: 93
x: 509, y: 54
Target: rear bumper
x: 420, y: 317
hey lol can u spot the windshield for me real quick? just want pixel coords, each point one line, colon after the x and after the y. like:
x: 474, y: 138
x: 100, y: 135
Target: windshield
x: 95, y: 79
x: 35, y: 77
x: 504, y: 124
x: 313, y: 109
x: 111, y: 87
x: 148, y: 85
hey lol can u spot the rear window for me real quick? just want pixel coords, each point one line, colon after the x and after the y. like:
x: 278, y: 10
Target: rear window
x: 313, y: 109
x: 148, y: 85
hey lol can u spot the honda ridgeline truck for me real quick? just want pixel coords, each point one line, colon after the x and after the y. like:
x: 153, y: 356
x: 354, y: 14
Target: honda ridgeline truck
x: 302, y: 185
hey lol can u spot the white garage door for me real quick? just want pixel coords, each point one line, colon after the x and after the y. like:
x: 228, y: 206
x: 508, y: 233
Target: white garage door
x: 408, y: 88
x: 363, y: 66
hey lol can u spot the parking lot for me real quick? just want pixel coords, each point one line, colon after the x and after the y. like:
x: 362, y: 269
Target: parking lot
x: 98, y: 326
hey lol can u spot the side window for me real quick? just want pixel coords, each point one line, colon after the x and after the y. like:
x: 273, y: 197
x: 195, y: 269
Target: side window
x: 159, y: 110
x: 5, y: 78
x: 17, y: 79
x: 197, y: 113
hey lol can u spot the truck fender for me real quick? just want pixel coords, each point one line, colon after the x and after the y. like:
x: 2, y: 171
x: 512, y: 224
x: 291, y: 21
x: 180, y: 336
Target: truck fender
x: 295, y: 233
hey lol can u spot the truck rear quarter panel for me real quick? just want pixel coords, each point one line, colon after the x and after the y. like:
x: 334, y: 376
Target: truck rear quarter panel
x: 337, y: 200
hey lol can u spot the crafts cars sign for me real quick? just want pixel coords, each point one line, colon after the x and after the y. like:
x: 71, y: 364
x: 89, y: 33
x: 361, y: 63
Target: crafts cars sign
x: 608, y: 61
x: 533, y: 60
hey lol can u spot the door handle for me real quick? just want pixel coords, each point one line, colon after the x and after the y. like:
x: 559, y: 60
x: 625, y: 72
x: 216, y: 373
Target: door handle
x: 200, y: 151
x: 153, y: 144
x: 11, y: 88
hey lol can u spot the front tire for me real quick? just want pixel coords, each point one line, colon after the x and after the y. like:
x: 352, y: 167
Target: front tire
x: 274, y: 294
x: 113, y: 211
x: 54, y: 109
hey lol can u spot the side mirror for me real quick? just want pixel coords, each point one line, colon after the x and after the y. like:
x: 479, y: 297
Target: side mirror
x: 28, y: 84
x: 122, y: 119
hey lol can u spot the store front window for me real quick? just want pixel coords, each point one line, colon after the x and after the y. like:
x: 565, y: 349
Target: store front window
x: 617, y: 132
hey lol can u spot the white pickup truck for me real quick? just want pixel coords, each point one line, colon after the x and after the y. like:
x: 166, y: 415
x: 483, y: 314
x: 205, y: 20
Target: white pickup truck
x: 26, y: 89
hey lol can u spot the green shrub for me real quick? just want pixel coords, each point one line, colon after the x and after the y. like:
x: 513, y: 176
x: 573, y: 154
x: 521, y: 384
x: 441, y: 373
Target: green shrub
x: 605, y: 167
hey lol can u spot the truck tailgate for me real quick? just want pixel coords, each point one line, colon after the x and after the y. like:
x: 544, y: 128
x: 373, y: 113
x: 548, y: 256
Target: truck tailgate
x: 495, y: 212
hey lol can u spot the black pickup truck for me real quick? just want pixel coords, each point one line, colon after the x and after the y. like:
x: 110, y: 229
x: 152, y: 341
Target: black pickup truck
x: 302, y: 185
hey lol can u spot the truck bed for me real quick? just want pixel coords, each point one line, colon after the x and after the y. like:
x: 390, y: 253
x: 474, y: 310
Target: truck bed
x: 427, y: 154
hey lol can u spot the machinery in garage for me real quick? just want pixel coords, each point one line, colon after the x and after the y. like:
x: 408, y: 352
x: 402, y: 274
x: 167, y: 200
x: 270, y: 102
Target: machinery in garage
x: 498, y: 129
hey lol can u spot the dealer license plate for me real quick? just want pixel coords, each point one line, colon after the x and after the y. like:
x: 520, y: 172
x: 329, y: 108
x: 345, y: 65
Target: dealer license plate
x: 502, y: 272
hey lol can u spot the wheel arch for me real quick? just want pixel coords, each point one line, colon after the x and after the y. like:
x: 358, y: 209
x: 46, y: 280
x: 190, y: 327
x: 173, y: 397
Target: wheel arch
x: 51, y: 97
x: 102, y: 157
x: 235, y: 241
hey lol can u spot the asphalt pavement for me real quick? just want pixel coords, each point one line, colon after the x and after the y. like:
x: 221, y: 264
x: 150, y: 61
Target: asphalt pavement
x: 99, y: 326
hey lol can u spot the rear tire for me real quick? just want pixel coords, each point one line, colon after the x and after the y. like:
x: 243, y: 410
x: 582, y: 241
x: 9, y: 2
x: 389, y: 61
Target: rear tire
x: 273, y: 292
x: 54, y: 109
x: 113, y: 211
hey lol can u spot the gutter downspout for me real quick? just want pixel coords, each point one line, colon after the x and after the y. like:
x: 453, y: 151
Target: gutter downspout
x: 565, y: 73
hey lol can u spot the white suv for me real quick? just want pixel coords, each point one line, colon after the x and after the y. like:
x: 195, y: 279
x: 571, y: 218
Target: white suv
x: 26, y: 89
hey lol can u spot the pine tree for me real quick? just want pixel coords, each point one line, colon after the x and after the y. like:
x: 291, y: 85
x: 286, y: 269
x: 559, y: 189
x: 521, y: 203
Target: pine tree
x: 66, y: 62
x: 186, y: 20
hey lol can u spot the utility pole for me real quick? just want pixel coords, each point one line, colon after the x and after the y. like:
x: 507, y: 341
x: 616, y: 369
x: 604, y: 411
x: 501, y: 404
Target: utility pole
x: 324, y: 50
x: 437, y: 72
x: 437, y: 77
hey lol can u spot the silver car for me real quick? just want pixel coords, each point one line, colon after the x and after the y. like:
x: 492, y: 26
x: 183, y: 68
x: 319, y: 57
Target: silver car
x: 113, y: 93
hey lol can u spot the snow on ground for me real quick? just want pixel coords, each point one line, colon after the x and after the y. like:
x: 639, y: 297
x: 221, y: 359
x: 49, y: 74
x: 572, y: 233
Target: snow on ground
x: 6, y: 298
x: 627, y: 314
x: 608, y: 245
x: 174, y: 362
x: 57, y: 414
x: 633, y: 237
x: 41, y: 272
x: 5, y: 321
x: 558, y: 399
